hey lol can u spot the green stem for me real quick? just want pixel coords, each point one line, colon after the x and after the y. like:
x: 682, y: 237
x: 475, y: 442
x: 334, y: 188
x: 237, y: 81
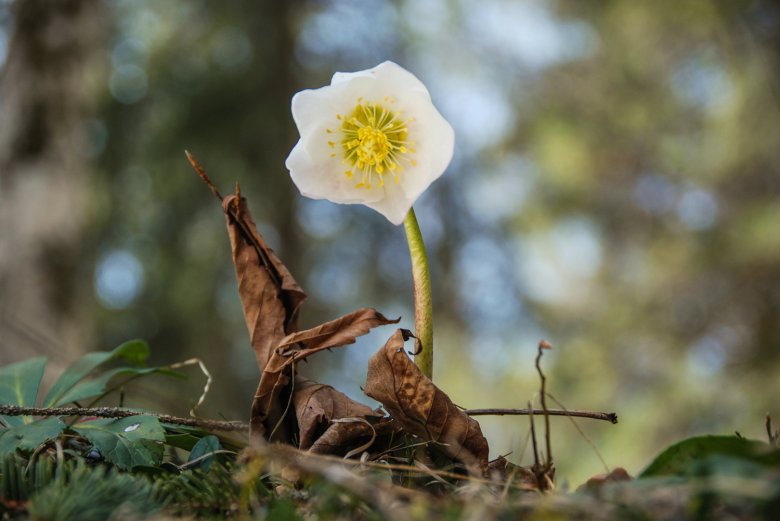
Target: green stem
x: 423, y: 305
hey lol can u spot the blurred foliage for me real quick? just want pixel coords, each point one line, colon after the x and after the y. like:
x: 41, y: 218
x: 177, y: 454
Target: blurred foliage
x: 700, y: 478
x: 615, y: 190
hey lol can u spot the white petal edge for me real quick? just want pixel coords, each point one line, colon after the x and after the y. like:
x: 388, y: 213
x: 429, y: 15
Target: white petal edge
x: 394, y: 206
x: 312, y: 107
x: 394, y: 77
x: 387, y: 72
x: 435, y: 144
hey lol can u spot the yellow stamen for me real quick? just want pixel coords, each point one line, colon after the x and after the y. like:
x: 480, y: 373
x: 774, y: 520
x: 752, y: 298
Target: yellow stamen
x: 374, y: 141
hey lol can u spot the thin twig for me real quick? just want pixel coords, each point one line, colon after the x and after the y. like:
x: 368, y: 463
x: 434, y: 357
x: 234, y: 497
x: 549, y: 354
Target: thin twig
x: 771, y: 434
x: 544, y: 344
x: 202, y: 173
x: 365, y: 446
x: 236, y: 216
x: 606, y: 416
x: 205, y: 371
x: 524, y: 447
x: 197, y: 460
x: 533, y: 437
x: 114, y: 412
x: 584, y: 436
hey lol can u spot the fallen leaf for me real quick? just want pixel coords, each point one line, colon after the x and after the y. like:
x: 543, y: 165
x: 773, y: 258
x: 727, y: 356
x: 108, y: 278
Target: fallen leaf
x: 422, y: 408
x: 331, y: 422
x: 270, y: 297
x: 339, y: 332
x: 297, y: 346
x: 358, y: 435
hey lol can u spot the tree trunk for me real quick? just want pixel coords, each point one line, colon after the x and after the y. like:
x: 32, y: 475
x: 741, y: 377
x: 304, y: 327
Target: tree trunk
x: 47, y: 88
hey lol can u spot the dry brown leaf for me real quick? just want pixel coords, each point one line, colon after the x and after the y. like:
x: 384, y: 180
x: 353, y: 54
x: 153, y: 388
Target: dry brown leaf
x: 269, y: 294
x: 422, y: 408
x: 331, y: 422
x: 356, y: 434
x: 297, y: 346
x: 339, y: 332
x: 317, y: 404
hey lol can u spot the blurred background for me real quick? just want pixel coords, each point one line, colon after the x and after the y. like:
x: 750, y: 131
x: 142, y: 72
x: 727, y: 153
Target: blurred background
x: 615, y: 190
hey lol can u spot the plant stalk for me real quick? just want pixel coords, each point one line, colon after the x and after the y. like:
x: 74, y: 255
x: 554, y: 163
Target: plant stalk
x: 423, y: 304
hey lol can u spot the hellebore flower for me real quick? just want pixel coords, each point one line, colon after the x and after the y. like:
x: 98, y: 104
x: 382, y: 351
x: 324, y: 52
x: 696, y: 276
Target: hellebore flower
x: 371, y: 137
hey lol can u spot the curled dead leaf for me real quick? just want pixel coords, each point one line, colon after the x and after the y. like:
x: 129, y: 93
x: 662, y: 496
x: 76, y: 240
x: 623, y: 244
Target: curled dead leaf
x: 420, y: 407
x: 316, y: 405
x: 297, y: 346
x: 330, y: 422
x: 270, y: 297
x: 339, y: 332
x: 358, y: 434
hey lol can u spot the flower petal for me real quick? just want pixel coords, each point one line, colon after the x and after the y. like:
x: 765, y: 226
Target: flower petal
x: 390, y: 76
x: 307, y: 175
x: 341, y: 77
x: 312, y: 107
x: 394, y: 205
x: 396, y: 79
x: 434, y: 142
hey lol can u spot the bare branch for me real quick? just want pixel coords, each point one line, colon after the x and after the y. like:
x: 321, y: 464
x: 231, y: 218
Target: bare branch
x: 115, y: 412
x: 533, y: 437
x: 606, y: 416
x: 544, y: 344
x: 202, y: 173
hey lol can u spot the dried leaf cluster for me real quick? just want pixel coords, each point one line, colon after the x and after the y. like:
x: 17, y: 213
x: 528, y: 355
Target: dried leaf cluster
x: 290, y: 408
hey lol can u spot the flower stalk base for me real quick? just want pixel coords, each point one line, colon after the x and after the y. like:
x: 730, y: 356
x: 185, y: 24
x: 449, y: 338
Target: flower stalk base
x: 423, y: 304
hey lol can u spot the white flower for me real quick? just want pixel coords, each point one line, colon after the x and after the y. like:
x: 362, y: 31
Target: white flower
x: 371, y: 137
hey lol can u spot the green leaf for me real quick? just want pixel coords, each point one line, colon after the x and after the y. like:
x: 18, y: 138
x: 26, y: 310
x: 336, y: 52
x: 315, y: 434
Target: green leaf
x: 99, y: 385
x: 181, y: 441
x: 205, y: 445
x: 19, y: 385
x: 126, y: 442
x: 228, y: 440
x: 30, y: 436
x: 134, y: 351
x: 677, y: 459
